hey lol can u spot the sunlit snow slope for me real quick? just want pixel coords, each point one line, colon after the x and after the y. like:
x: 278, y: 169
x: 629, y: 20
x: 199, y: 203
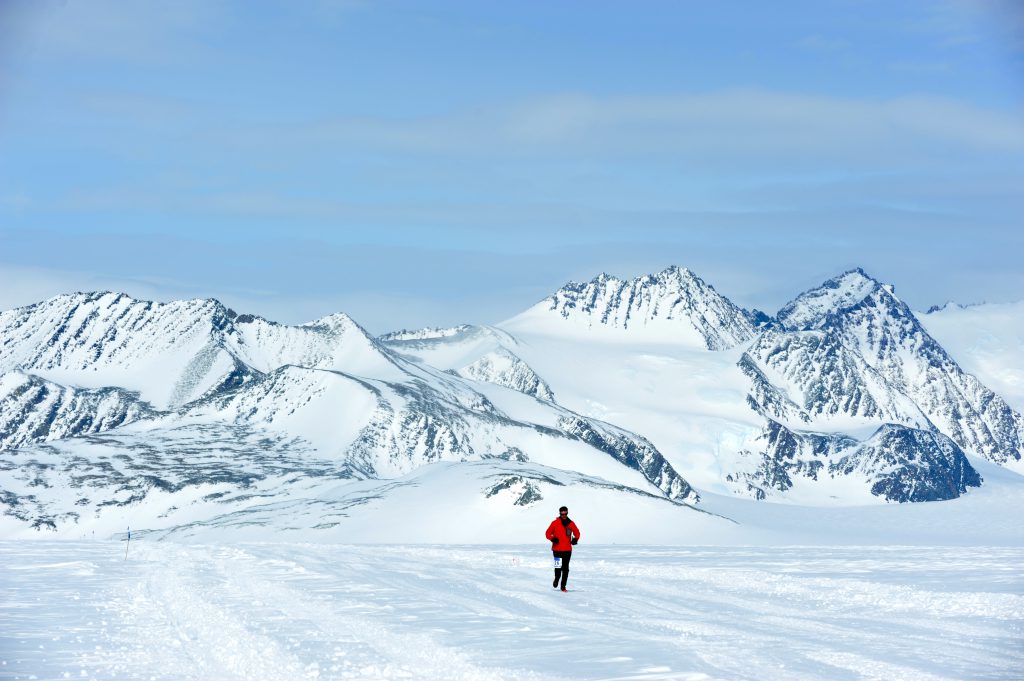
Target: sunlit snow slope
x: 987, y: 341
x: 260, y: 413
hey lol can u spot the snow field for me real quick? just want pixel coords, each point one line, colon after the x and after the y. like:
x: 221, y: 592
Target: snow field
x: 307, y: 611
x: 987, y: 341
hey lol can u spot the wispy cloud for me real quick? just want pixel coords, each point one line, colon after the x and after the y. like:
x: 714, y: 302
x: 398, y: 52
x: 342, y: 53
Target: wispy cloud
x: 724, y: 129
x: 138, y: 31
x: 958, y: 23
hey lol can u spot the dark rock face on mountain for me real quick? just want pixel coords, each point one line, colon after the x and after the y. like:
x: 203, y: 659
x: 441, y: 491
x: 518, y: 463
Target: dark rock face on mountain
x: 900, y: 464
x: 635, y: 452
x: 852, y: 348
x: 36, y: 410
x: 912, y: 465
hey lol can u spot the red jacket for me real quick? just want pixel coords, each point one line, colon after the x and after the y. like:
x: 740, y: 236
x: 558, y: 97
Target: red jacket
x: 557, y: 531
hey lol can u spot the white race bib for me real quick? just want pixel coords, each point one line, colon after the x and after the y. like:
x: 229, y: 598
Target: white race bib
x: 558, y: 562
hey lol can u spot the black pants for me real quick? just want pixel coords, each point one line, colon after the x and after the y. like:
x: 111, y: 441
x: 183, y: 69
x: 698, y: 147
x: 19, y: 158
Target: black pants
x: 562, y: 572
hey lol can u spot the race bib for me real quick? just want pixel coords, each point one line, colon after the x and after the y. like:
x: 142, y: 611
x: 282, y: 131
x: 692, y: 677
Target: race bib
x: 558, y: 562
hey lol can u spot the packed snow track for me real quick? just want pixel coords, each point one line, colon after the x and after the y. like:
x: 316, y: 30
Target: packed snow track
x: 303, y: 611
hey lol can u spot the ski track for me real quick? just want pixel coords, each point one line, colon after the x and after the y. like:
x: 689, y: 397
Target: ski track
x: 304, y: 611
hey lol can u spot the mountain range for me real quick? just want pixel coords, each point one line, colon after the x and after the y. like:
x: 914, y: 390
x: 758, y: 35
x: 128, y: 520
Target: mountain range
x: 187, y: 416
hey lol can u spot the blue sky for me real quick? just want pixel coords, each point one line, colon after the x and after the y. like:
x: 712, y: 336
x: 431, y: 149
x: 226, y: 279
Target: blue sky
x: 416, y: 163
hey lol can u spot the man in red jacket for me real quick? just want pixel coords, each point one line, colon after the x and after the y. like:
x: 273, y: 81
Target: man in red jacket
x: 563, y: 535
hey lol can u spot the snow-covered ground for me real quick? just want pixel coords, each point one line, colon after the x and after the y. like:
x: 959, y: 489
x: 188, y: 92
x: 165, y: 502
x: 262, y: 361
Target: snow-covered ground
x: 308, y: 611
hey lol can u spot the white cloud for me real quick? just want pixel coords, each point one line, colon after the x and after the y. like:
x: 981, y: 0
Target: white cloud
x: 728, y: 126
x: 141, y: 30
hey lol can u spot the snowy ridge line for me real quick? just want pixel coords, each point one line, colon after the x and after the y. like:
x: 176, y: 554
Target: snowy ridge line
x: 503, y: 368
x: 674, y: 305
x: 479, y: 353
x: 899, y: 463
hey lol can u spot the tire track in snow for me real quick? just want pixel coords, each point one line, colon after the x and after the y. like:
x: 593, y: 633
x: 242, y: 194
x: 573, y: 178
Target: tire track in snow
x: 749, y: 610
x: 395, y: 654
x: 180, y: 629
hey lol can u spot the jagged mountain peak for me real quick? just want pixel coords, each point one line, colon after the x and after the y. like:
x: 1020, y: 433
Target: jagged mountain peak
x: 79, y: 297
x: 116, y: 309
x: 602, y: 278
x: 672, y: 306
x: 345, y: 330
x: 852, y: 348
x: 677, y: 272
x: 668, y: 276
x: 812, y: 308
x: 334, y: 321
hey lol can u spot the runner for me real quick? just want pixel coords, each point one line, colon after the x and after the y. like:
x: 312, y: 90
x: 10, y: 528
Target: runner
x: 563, y: 535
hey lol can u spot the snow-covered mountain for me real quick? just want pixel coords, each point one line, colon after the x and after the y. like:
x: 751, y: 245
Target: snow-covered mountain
x: 851, y: 349
x: 174, y: 353
x: 851, y: 396
x: 168, y: 353
x: 675, y: 306
x: 204, y: 417
x: 846, y: 370
x: 258, y: 403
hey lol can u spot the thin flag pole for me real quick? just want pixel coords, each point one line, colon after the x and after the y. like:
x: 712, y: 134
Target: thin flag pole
x: 128, y: 544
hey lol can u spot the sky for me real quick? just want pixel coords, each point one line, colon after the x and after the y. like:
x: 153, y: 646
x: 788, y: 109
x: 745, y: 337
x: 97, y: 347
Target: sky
x: 434, y: 163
